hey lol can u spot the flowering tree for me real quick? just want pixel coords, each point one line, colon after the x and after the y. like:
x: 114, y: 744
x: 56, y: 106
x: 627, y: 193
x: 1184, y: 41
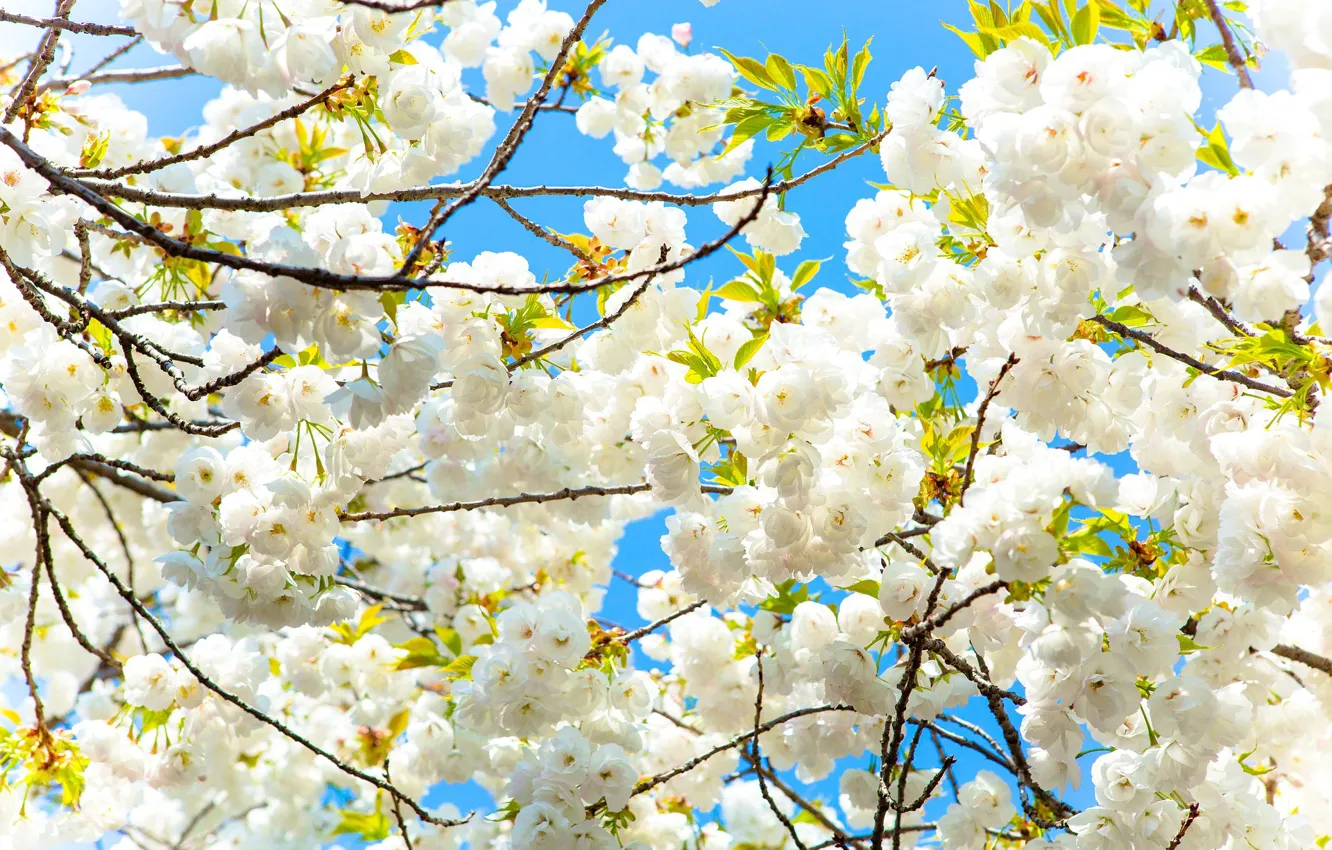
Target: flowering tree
x: 306, y: 515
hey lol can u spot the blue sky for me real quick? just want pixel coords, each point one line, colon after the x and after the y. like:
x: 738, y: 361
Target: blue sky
x: 905, y: 34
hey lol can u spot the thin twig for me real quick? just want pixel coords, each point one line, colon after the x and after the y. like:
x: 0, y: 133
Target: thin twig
x: 969, y: 474
x: 1184, y: 827
x: 568, y: 493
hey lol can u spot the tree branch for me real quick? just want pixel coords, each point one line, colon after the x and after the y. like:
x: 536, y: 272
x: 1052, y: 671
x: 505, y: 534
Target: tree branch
x: 1211, y: 371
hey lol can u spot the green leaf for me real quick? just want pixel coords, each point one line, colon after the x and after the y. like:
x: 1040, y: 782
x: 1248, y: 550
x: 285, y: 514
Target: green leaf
x: 151, y: 720
x: 780, y: 71
x: 838, y: 69
x: 789, y: 595
x: 750, y: 262
x: 421, y: 652
x: 689, y: 360
x: 102, y: 336
x: 552, y: 323
x: 460, y: 668
x: 767, y: 265
x: 1215, y: 56
x: 748, y: 349
x: 747, y: 129
x: 398, y: 723
x: 370, y: 827
x: 752, y: 70
x: 1086, y: 22
x: 1216, y: 152
x: 817, y: 81
x: 1132, y: 315
x: 779, y: 130
x: 859, y: 64
x: 1013, y: 32
x: 733, y: 471
x: 1113, y: 16
x: 869, y: 587
x: 1087, y: 543
x: 704, y: 298
x: 1059, y: 521
x: 804, y: 273
x: 412, y: 662
x: 973, y: 40
x: 984, y: 15
x: 738, y: 290
x: 348, y: 634
x: 451, y: 639
x: 390, y: 302
x: 1188, y: 644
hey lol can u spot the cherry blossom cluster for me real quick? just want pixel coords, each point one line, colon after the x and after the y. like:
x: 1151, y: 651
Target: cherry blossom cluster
x: 312, y: 509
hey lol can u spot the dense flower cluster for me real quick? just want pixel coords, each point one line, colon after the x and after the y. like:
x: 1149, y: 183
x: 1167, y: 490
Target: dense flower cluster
x: 1022, y: 541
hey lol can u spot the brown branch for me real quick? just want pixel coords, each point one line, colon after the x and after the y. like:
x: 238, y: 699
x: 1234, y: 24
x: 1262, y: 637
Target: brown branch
x: 1228, y: 42
x: 205, y: 151
x: 509, y: 146
x: 313, y: 276
x: 840, y: 837
x: 29, y: 626
x: 12, y: 425
x: 983, y: 684
x: 132, y: 368
x: 85, y: 255
x: 104, y: 655
x: 1319, y: 244
x: 103, y: 460
x: 277, y: 203
x: 756, y: 759
x: 992, y: 754
x: 150, y: 349
x: 520, y: 499
x: 112, y: 56
x: 391, y: 8
x: 67, y: 26
x: 124, y: 548
x: 403, y: 601
x: 229, y: 697
x: 1211, y: 371
x: 45, y: 55
x: 1219, y: 312
x: 540, y: 232
x: 932, y: 623
x: 397, y: 807
x: 630, y: 637
x: 651, y: 782
x: 166, y: 306
x: 910, y: 548
x: 138, y: 75
x: 1303, y: 656
x: 604, y: 322
x: 895, y: 731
